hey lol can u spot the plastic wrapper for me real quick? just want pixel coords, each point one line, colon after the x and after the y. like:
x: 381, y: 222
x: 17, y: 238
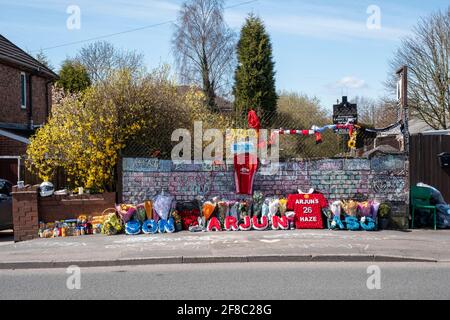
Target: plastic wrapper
x: 113, y: 225
x: 234, y: 210
x: 126, y: 212
x: 274, y: 207
x: 141, y: 214
x: 222, y: 211
x: 265, y: 208
x: 148, y: 205
x: 350, y: 208
x: 177, y: 220
x: 365, y: 208
x: 258, y: 201
x: 243, y: 209
x: 375, y: 209
x: 208, y: 210
x: 162, y: 206
x: 336, y: 208
x: 282, y: 206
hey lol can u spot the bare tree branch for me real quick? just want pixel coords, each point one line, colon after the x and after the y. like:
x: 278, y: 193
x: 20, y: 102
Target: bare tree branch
x: 204, y: 47
x: 427, y: 54
x: 101, y: 59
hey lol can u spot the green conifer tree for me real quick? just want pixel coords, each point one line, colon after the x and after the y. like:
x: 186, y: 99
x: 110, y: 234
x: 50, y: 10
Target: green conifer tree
x: 73, y: 76
x: 254, y: 86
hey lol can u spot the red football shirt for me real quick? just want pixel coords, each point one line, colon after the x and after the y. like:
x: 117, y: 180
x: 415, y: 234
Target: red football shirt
x: 308, y: 210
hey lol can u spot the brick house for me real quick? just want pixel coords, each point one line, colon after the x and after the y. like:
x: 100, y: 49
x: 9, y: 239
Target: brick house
x: 25, y: 103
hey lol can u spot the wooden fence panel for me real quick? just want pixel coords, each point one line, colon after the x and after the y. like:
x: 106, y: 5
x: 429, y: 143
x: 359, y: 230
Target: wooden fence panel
x: 424, y: 162
x: 8, y: 170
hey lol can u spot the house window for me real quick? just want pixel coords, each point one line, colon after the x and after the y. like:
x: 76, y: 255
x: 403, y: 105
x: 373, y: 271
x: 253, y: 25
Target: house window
x: 23, y: 90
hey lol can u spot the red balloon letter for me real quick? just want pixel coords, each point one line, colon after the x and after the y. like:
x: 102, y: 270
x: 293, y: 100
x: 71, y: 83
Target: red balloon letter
x: 280, y: 223
x: 247, y: 225
x: 214, y: 225
x: 231, y: 224
x: 260, y: 226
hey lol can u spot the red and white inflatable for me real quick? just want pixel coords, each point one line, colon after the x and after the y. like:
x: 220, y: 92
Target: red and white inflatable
x: 245, y: 168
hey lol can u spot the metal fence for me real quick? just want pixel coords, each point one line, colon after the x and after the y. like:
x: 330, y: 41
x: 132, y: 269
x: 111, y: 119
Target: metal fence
x: 157, y: 142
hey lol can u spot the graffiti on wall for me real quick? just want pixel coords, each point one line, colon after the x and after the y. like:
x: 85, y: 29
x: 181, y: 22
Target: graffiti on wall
x: 326, y: 165
x: 199, y: 184
x: 140, y: 165
x: 389, y: 185
x: 389, y: 163
x: 356, y: 164
x: 381, y: 177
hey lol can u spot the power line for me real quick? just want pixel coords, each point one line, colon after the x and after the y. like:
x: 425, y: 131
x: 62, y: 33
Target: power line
x: 241, y: 4
x: 104, y: 36
x: 130, y: 30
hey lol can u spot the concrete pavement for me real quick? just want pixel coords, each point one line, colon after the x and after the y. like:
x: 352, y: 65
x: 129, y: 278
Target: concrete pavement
x: 267, y: 246
x: 233, y: 281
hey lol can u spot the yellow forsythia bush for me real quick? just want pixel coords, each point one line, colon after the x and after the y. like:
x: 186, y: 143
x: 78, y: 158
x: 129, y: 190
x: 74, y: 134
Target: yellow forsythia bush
x: 83, y: 136
x: 86, y: 132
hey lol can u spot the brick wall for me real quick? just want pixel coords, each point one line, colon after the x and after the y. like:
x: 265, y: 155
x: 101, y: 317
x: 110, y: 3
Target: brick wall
x: 10, y: 110
x: 10, y: 147
x: 29, y: 209
x: 25, y: 214
x: 10, y: 101
x: 70, y: 207
x: 40, y: 100
x: 382, y: 178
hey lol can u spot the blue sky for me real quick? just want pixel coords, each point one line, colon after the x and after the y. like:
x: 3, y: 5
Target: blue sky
x: 321, y: 48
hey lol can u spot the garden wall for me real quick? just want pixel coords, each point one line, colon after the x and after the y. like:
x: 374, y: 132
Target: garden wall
x: 70, y: 207
x: 29, y: 209
x: 383, y: 177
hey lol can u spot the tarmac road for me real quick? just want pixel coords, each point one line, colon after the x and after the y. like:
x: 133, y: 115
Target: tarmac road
x: 254, y: 246
x: 252, y: 281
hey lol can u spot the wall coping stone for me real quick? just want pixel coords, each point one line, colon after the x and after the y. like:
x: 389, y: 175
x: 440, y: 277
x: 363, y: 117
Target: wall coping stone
x: 388, y: 163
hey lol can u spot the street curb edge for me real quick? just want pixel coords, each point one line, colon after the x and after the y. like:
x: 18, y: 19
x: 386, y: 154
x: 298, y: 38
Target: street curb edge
x: 209, y: 260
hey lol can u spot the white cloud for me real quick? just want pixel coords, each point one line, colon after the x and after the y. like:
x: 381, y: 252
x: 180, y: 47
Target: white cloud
x: 328, y: 22
x: 132, y: 9
x: 330, y: 28
x: 135, y: 9
x: 346, y: 86
x: 350, y: 82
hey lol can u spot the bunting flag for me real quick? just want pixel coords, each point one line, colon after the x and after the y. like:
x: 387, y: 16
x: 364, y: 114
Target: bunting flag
x: 317, y: 131
x: 254, y: 123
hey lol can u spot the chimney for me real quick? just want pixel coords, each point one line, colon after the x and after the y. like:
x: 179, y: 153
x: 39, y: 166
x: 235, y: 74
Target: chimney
x: 344, y: 100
